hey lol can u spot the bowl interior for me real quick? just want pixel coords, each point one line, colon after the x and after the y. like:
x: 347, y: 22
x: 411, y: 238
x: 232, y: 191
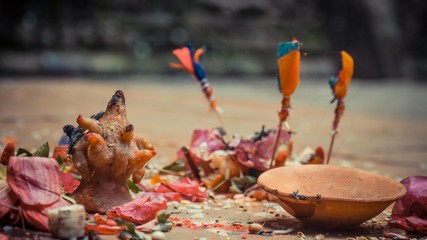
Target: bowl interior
x: 331, y: 182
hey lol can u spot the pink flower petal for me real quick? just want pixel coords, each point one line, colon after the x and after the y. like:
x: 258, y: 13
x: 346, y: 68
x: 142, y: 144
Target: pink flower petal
x: 35, y: 180
x: 37, y: 215
x: 7, y: 198
x: 410, y: 212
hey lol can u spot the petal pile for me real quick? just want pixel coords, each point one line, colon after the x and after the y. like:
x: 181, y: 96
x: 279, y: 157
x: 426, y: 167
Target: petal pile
x: 211, y: 137
x: 257, y: 154
x: 215, y: 162
x: 36, y: 182
x: 204, y: 142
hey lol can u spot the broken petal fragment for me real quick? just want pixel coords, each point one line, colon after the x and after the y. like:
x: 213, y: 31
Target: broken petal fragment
x: 139, y: 211
x: 104, y: 229
x: 70, y: 183
x: 186, y: 187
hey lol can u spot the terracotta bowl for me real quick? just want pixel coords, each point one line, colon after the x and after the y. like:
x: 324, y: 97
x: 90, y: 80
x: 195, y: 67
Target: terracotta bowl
x: 330, y: 196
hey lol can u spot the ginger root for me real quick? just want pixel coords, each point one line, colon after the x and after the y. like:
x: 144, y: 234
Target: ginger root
x: 106, y: 151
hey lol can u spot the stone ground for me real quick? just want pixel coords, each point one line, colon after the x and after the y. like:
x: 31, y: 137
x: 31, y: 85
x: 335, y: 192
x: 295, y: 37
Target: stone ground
x: 384, y: 128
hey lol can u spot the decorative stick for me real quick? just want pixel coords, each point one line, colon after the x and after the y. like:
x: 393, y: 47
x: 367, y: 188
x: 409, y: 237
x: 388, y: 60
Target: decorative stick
x: 288, y: 62
x: 339, y: 87
x: 190, y: 61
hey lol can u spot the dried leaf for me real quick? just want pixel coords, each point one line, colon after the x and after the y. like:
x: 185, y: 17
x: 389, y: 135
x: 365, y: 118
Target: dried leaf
x: 139, y: 211
x: 163, y: 216
x: 35, y: 180
x: 129, y: 228
x: 177, y: 166
x: 61, y: 162
x: 43, y: 151
x: 3, y: 172
x: 23, y: 152
x: 133, y: 187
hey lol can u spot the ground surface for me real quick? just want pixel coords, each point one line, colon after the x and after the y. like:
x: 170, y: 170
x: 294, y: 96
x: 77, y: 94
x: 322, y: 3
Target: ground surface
x: 383, y: 130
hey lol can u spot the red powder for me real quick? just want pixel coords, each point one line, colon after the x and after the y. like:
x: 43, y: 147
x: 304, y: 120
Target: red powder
x: 187, y: 223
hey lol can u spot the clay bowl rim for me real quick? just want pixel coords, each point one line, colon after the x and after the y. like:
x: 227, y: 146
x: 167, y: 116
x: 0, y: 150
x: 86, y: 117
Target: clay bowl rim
x: 401, y: 189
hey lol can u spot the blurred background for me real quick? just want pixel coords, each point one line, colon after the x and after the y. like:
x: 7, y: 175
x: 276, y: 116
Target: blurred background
x: 387, y: 38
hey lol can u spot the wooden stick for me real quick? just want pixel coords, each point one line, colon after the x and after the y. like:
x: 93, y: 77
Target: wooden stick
x: 221, y: 122
x: 276, y: 143
x: 339, y: 111
x: 331, y: 146
x: 283, y: 116
x: 191, y: 163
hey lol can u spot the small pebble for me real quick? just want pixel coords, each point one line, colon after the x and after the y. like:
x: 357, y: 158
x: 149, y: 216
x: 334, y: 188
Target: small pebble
x: 255, y: 227
x: 239, y: 196
x: 361, y: 238
x: 193, y: 211
x: 206, y: 207
x: 395, y: 233
x: 301, y: 236
x: 237, y: 224
x: 158, y: 235
x: 282, y: 232
x: 195, y: 206
x: 181, y: 208
x: 319, y: 237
